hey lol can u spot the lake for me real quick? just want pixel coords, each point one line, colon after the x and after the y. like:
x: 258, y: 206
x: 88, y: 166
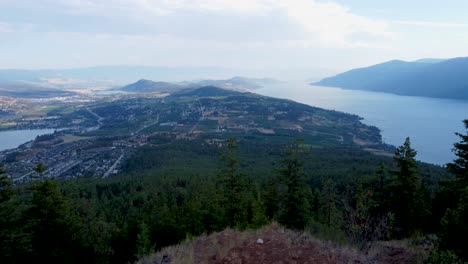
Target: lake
x: 13, y: 138
x: 429, y: 122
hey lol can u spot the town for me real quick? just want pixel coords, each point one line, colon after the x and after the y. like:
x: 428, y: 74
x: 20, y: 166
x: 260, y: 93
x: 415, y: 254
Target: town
x: 96, y: 138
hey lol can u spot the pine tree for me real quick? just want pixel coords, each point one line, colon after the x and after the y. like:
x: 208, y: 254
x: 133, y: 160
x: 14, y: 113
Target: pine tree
x: 328, y: 203
x: 410, y: 207
x: 272, y: 198
x: 454, y: 227
x: 14, y: 241
x: 459, y: 167
x: 50, y: 222
x: 259, y: 217
x: 296, y: 212
x: 232, y: 182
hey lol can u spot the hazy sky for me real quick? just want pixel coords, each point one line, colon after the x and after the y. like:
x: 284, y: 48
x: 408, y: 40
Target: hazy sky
x: 247, y: 34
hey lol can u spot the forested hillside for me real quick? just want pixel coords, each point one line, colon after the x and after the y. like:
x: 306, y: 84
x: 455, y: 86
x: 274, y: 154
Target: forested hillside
x: 168, y: 194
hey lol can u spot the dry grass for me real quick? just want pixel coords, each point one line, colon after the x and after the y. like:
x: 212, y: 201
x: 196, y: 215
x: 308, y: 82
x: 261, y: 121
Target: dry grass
x: 398, y: 251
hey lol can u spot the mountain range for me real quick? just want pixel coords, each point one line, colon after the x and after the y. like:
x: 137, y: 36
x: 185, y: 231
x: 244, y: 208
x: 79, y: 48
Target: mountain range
x: 427, y: 78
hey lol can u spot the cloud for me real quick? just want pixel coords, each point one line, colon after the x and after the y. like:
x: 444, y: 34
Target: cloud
x: 241, y: 6
x: 430, y: 24
x: 233, y: 33
x: 5, y: 28
x: 324, y: 22
x: 333, y: 23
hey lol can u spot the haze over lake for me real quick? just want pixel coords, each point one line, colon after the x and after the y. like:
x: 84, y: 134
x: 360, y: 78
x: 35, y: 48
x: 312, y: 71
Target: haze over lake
x: 430, y: 123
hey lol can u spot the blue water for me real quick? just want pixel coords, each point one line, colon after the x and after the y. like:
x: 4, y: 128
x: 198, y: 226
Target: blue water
x: 429, y: 122
x: 13, y: 138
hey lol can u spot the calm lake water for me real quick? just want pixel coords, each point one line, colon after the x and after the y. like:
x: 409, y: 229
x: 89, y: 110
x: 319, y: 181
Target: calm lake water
x: 13, y: 138
x: 430, y: 123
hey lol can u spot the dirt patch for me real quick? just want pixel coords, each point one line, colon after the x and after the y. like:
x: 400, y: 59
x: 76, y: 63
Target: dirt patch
x: 279, y: 246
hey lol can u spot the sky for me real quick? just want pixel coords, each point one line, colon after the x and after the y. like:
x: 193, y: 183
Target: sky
x: 303, y: 35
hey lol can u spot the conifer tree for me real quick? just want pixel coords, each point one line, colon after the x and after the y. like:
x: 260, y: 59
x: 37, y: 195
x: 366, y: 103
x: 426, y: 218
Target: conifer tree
x: 272, y: 198
x: 380, y: 193
x: 454, y: 224
x: 232, y: 182
x: 410, y: 207
x: 296, y: 212
x: 259, y: 217
x: 329, y: 200
x: 50, y: 222
x: 14, y: 241
x: 459, y: 167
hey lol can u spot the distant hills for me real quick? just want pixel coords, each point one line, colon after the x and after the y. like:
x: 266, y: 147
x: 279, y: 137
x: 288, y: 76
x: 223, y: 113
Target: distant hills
x: 64, y: 82
x: 235, y: 84
x: 112, y: 74
x: 148, y: 86
x: 57, y: 82
x: 27, y: 90
x: 116, y: 76
x: 427, y: 77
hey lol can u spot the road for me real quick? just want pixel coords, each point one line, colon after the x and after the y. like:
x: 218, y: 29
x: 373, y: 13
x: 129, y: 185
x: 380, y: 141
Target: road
x: 112, y: 168
x: 202, y: 117
x: 99, y: 118
x: 146, y: 126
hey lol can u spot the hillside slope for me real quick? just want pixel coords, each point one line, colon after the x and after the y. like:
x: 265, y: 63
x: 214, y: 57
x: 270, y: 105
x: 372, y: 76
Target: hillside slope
x: 427, y: 78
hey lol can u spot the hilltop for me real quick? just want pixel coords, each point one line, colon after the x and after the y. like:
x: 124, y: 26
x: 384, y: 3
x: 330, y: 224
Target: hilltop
x: 280, y: 245
x: 148, y: 86
x: 426, y: 77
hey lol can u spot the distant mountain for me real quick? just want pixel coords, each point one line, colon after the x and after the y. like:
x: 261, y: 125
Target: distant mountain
x: 429, y: 60
x: 147, y: 86
x: 26, y: 90
x: 116, y: 76
x: 428, y: 78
